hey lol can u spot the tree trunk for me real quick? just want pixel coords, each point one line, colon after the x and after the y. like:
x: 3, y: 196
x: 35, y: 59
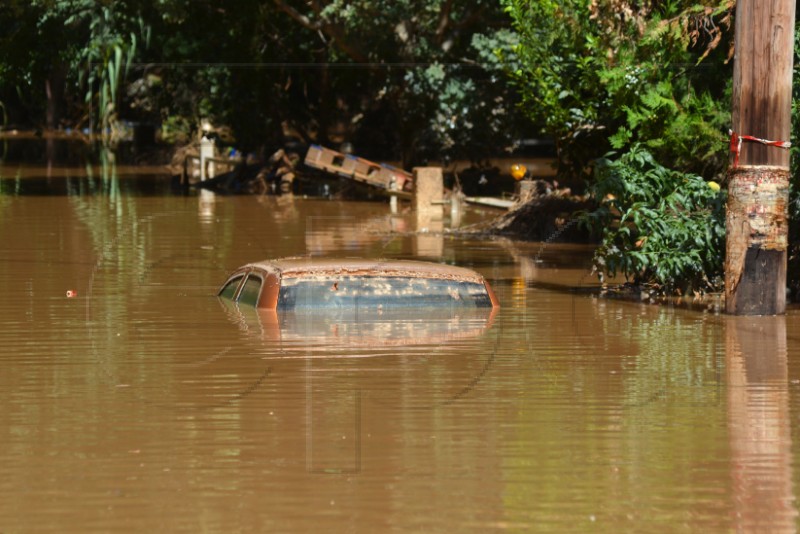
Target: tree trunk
x: 758, y: 176
x: 54, y: 90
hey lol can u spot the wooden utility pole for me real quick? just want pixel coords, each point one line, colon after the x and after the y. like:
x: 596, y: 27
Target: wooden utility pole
x: 758, y: 176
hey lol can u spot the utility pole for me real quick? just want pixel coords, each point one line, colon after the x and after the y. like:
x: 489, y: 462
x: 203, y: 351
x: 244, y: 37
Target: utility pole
x: 758, y: 175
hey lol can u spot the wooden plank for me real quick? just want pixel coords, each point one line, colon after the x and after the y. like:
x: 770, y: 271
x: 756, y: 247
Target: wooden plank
x: 492, y: 202
x: 378, y: 175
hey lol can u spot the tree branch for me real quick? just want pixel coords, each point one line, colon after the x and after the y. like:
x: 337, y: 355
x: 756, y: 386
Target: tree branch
x: 333, y: 31
x: 444, y: 20
x: 296, y: 15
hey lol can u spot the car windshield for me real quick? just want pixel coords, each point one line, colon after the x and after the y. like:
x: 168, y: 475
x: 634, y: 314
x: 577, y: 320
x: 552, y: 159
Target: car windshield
x: 379, y: 291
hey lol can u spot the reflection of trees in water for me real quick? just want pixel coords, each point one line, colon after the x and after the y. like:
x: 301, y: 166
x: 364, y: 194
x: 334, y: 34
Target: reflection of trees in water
x: 108, y: 216
x: 662, y: 354
x: 144, y: 254
x: 344, y: 233
x: 621, y: 410
x: 649, y: 407
x: 676, y: 356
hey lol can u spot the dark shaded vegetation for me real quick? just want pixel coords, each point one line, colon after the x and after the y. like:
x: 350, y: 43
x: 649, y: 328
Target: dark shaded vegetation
x: 401, y: 80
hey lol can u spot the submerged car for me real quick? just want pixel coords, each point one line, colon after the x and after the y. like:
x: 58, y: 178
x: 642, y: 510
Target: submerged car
x: 313, y: 283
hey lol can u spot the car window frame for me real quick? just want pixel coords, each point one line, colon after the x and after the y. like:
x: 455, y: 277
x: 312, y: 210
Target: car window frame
x: 241, y: 275
x: 256, y: 274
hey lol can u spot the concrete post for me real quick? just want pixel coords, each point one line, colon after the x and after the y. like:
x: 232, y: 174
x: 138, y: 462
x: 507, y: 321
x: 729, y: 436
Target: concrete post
x: 207, y: 150
x: 428, y: 211
x: 393, y: 198
x: 526, y: 190
x: 428, y: 191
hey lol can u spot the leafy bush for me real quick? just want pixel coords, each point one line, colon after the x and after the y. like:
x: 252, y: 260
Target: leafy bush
x: 658, y: 226
x: 176, y: 129
x: 601, y: 76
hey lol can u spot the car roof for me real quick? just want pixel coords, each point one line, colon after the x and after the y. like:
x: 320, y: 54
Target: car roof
x: 304, y: 266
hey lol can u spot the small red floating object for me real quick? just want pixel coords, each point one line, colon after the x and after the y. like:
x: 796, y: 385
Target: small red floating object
x: 71, y: 293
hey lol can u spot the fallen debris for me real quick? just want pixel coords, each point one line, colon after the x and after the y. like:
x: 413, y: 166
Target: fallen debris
x: 549, y: 217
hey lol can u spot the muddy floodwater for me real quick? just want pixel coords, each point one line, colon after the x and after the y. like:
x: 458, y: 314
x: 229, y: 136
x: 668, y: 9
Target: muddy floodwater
x: 133, y: 400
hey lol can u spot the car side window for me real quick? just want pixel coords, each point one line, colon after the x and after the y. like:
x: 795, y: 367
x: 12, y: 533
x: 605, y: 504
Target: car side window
x: 229, y: 290
x: 250, y: 291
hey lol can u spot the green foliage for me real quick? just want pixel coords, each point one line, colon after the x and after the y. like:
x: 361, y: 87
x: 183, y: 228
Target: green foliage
x: 652, y: 85
x: 56, y: 48
x: 596, y: 80
x: 30, y: 48
x: 658, y: 225
x: 793, y: 271
x: 176, y: 129
x: 106, y: 59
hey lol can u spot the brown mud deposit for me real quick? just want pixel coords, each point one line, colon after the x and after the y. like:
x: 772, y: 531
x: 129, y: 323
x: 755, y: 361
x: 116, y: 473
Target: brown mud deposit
x: 699, y: 302
x: 550, y: 218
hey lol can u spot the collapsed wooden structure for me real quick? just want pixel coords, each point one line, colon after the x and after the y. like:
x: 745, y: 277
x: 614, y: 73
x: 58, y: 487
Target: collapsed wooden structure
x: 379, y: 176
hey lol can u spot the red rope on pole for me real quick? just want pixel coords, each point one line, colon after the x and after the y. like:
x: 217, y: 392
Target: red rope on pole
x: 736, y: 144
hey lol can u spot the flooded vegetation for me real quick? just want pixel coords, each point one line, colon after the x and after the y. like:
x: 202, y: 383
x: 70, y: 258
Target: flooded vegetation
x: 136, y: 400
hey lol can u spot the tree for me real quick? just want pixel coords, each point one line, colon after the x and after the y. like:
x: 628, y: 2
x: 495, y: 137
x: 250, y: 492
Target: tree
x: 32, y: 63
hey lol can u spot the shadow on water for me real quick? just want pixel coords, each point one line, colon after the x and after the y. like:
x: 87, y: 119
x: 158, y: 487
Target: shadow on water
x: 68, y: 165
x: 568, y: 268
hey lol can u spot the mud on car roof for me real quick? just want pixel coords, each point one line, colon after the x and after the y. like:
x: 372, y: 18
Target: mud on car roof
x: 312, y: 283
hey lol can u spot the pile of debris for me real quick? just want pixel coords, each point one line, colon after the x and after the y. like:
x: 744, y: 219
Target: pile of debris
x: 545, y: 213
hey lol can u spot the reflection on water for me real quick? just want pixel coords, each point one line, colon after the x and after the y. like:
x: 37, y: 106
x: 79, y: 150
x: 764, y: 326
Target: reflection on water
x: 97, y: 176
x: 145, y: 404
x: 760, y: 424
x: 331, y: 330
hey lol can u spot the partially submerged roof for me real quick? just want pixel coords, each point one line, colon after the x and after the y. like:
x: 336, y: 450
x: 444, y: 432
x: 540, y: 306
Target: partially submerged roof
x: 297, y: 267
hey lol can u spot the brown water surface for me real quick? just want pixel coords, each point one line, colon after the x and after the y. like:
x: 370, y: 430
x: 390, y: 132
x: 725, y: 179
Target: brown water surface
x: 144, y: 403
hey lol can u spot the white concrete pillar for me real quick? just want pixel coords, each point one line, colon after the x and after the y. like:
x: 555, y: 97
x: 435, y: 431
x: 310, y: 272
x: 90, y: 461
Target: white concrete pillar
x: 456, y: 211
x: 393, y: 198
x: 207, y: 150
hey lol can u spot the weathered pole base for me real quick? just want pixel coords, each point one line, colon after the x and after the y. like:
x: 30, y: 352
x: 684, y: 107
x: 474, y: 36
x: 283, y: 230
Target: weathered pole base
x: 757, y: 240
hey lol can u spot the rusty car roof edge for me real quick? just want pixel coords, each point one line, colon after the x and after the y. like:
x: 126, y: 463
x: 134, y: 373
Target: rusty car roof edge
x: 358, y: 266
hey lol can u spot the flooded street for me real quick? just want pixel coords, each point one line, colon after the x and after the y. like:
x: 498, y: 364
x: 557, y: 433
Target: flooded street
x: 144, y: 403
